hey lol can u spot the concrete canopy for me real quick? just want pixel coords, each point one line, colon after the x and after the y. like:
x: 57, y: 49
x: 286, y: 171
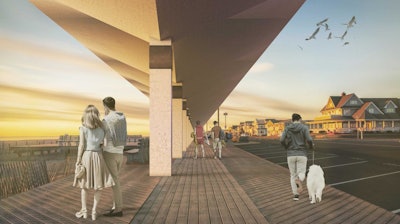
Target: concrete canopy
x: 214, y: 43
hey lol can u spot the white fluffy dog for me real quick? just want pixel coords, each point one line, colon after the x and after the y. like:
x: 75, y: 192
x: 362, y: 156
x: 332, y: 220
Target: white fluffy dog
x: 315, y: 183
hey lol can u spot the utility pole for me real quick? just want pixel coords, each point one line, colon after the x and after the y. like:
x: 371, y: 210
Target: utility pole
x: 225, y: 114
x: 218, y: 115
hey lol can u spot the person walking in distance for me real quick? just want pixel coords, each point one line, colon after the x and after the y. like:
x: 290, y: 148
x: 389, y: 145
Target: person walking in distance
x: 199, y: 135
x: 295, y: 138
x: 96, y: 175
x: 115, y: 140
x: 216, y: 137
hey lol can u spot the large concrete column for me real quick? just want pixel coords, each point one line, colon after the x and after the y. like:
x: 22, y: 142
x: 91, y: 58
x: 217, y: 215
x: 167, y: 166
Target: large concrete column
x: 177, y: 124
x: 189, y: 129
x: 184, y: 130
x: 160, y: 109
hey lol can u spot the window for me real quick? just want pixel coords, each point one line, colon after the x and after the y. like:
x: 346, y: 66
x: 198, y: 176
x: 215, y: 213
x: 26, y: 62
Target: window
x: 371, y: 110
x: 353, y: 102
x: 390, y: 110
x: 346, y: 112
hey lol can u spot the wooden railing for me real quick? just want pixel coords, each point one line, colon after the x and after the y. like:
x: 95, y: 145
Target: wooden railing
x: 5, y: 146
x: 138, y: 153
x: 20, y: 176
x: 26, y: 164
x: 41, y: 150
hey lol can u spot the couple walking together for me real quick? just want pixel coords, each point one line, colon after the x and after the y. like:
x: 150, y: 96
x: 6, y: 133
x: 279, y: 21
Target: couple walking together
x: 100, y: 152
x: 217, y: 135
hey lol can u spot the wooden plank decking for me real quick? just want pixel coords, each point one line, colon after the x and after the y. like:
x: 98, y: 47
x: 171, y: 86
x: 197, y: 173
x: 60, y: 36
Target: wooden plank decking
x: 200, y: 191
x: 240, y: 188
x: 58, y: 201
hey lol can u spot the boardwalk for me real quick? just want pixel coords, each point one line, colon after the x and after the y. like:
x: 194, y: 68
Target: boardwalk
x: 240, y: 188
x: 200, y: 191
x: 58, y: 201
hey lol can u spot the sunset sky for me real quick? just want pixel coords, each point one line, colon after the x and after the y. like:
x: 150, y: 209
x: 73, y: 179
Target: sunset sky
x: 47, y: 78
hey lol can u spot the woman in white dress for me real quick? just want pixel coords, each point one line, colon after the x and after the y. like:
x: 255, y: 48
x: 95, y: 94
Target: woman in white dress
x: 90, y: 156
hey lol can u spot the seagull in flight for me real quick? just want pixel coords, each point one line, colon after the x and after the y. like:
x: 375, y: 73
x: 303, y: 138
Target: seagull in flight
x: 313, y: 35
x: 351, y: 22
x: 300, y: 47
x: 322, y: 22
x: 326, y: 27
x: 330, y: 35
x: 342, y: 37
x: 346, y: 43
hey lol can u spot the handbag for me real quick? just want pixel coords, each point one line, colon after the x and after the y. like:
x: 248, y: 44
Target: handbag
x: 79, y: 171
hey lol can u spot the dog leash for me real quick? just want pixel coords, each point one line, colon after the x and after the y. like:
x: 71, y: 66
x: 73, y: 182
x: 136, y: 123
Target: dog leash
x: 313, y: 151
x: 313, y: 156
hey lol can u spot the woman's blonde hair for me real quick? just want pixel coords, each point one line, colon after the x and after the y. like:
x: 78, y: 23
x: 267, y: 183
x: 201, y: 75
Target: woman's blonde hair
x: 91, y: 117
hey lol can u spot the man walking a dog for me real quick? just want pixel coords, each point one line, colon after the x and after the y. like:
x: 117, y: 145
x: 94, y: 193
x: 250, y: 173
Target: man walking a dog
x: 295, y: 138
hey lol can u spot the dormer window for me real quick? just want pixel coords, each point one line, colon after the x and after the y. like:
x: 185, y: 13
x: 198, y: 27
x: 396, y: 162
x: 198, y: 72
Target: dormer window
x: 390, y: 110
x: 353, y: 102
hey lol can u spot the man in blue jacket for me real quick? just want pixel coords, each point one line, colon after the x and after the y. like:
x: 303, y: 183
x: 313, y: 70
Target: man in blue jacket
x: 295, y: 138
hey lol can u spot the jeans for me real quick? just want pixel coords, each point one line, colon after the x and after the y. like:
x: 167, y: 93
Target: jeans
x: 297, y: 167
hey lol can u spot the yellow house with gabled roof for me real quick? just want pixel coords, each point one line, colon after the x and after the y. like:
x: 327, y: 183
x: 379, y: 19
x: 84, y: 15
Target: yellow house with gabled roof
x: 348, y: 113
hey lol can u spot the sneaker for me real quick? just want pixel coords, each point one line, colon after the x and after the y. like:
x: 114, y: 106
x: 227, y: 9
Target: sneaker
x: 296, y: 197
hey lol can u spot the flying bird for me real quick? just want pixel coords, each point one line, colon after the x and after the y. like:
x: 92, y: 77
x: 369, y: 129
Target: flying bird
x: 346, y: 43
x: 313, y: 35
x: 326, y: 27
x: 330, y: 35
x: 322, y: 22
x: 300, y: 47
x: 342, y: 37
x: 351, y: 22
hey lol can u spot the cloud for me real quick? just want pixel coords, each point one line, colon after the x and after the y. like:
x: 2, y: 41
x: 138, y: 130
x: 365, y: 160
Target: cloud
x: 44, y: 109
x: 47, y: 84
x: 260, y: 67
x: 66, y: 54
x: 249, y: 106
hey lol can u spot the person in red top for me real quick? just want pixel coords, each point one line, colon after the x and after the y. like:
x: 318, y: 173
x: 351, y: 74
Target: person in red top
x: 199, y: 135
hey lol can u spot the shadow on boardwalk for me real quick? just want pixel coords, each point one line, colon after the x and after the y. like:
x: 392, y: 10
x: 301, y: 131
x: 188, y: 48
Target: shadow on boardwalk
x: 240, y: 188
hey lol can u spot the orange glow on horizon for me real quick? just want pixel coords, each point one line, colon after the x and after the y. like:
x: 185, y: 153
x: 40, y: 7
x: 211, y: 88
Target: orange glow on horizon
x: 53, y: 128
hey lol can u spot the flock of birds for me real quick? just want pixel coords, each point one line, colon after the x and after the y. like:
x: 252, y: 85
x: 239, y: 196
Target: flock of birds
x: 325, y: 25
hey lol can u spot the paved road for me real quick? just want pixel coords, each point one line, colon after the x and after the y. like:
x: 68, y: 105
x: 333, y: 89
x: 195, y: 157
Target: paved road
x: 368, y: 169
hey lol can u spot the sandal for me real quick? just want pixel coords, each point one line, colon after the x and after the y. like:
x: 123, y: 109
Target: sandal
x: 94, y: 215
